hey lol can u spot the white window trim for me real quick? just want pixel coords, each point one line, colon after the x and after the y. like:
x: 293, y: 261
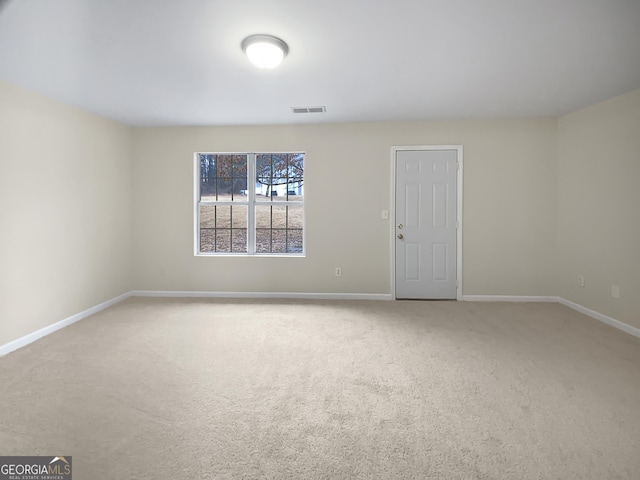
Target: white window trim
x: 250, y: 203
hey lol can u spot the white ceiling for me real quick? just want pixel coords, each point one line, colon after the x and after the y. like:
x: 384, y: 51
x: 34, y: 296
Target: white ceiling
x: 164, y: 62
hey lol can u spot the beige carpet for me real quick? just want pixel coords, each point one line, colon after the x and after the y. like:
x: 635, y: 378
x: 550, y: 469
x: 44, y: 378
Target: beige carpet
x: 243, y: 389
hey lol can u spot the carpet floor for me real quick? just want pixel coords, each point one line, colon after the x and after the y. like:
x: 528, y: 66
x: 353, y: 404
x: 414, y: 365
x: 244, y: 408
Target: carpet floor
x: 292, y: 389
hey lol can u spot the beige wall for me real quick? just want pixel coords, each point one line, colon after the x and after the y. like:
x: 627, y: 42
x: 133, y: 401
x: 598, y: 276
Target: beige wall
x: 64, y: 211
x: 509, y: 206
x: 91, y: 209
x: 599, y: 207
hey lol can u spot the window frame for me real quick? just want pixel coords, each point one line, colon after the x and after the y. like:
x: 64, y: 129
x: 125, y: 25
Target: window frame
x: 250, y: 203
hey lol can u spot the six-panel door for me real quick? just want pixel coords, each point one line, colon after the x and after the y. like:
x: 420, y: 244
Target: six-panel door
x: 426, y: 234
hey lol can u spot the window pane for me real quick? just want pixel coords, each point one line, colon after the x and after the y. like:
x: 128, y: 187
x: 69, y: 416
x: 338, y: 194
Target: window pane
x: 239, y: 240
x: 223, y: 216
x: 279, y: 219
x: 223, y: 178
x: 271, y: 240
x: 223, y: 240
x: 279, y: 241
x: 294, y: 193
x: 263, y: 216
x: 294, y: 241
x: 271, y: 216
x: 239, y: 216
x: 220, y: 224
x: 279, y: 176
x: 207, y: 240
x: 207, y: 216
x: 279, y: 228
x: 207, y: 176
x: 295, y: 216
x: 263, y: 240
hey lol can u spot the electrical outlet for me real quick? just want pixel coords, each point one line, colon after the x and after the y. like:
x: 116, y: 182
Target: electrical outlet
x: 581, y: 280
x: 615, y: 291
x: 338, y: 272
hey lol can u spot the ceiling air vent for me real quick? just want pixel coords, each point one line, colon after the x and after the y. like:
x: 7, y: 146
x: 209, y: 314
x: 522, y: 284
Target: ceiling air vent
x: 308, y: 109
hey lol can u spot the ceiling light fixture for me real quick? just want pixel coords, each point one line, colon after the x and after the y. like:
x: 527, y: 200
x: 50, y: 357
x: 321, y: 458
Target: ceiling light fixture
x: 265, y: 51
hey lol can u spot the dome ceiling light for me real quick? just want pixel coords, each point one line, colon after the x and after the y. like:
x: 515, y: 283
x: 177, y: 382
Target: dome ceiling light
x: 265, y: 51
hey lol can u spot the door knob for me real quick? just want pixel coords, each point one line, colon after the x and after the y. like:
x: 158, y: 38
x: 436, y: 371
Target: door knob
x: 400, y: 236
x: 400, y: 226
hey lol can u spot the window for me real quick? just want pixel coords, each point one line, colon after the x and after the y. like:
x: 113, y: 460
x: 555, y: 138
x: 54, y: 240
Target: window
x: 249, y: 203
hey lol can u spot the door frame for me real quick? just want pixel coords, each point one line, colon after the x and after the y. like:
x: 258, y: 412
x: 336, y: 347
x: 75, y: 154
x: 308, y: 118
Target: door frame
x: 392, y: 214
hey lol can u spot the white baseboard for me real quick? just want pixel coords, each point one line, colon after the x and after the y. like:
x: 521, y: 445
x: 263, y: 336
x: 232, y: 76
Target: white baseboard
x: 603, y: 318
x: 276, y: 295
x: 507, y: 298
x: 33, y: 336
x: 579, y: 308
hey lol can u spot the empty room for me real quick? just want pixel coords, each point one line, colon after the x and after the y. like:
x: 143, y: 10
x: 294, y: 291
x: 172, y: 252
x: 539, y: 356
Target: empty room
x: 281, y: 239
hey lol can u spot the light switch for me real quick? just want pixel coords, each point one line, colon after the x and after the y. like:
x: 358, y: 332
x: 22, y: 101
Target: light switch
x: 385, y: 214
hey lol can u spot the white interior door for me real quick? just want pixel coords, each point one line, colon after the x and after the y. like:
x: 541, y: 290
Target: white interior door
x: 426, y: 224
